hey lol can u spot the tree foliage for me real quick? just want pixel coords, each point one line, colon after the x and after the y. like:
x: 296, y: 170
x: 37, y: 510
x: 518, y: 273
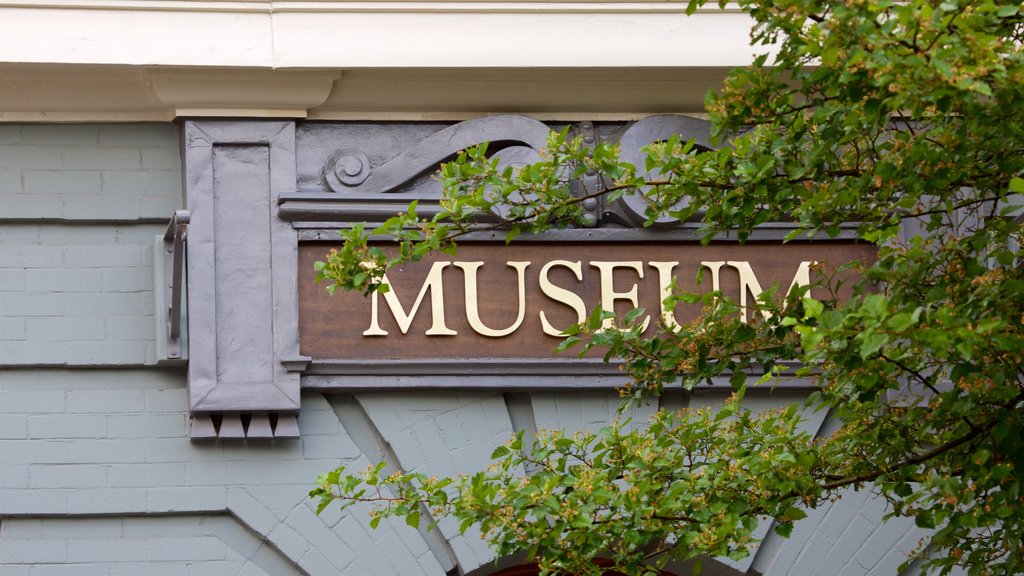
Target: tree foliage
x: 905, y: 118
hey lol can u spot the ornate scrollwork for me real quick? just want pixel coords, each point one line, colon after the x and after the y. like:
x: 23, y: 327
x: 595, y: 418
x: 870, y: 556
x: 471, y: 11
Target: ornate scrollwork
x: 347, y: 166
x: 348, y: 169
x: 648, y: 131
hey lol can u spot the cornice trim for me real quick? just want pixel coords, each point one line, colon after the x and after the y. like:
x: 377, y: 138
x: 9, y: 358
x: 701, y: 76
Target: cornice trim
x: 122, y: 93
x: 383, y: 7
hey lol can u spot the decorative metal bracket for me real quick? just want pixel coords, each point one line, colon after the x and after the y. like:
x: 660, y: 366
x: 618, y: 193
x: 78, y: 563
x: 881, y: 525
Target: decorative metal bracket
x: 170, y: 294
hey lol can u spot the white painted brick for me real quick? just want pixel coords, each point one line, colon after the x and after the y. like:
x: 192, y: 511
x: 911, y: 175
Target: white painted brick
x: 242, y: 472
x: 889, y: 564
x: 315, y: 564
x: 135, y: 279
x: 160, y: 158
x: 104, y: 353
x: 12, y: 329
x: 273, y: 562
x: 34, y: 501
x: 101, y: 158
x: 13, y: 476
x: 10, y: 133
x: 21, y: 528
x: 354, y: 526
x: 140, y: 234
x: 68, y: 476
x: 60, y: 134
x: 153, y: 184
x: 70, y: 569
x: 250, y: 510
x: 150, y: 352
x: 19, y: 569
x: 230, y: 532
x: 338, y: 447
x: 146, y: 425
x: 146, y: 475
x: 842, y: 513
x: 13, y: 427
x: 104, y: 451
x: 149, y: 569
x: 29, y: 256
x: 313, y: 529
x: 28, y: 157
x: 31, y: 402
x: 140, y: 135
x: 105, y: 401
x: 181, y: 450
x: 163, y: 526
x: 184, y: 549
x: 175, y: 400
x: 59, y: 234
x: 284, y: 450
x: 33, y: 451
x: 101, y: 551
x: 117, y: 304
x: 288, y: 541
x: 60, y: 182
x: 17, y: 304
x: 63, y: 328
x: 187, y: 498
x: 107, y: 501
x: 882, y: 541
x: 316, y: 419
x: 24, y: 206
x: 10, y: 184
x: 64, y: 280
x: 22, y: 353
x: 67, y: 426
x: 215, y: 567
x: 11, y: 279
x: 81, y: 528
x: 103, y: 255
x: 106, y: 381
x: 32, y: 551
x: 279, y: 501
x: 137, y: 328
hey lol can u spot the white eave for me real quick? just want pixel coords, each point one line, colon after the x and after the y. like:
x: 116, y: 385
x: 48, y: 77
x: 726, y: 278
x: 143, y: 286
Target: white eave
x: 85, y: 60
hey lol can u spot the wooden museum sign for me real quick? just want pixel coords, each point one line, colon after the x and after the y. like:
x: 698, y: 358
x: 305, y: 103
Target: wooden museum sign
x: 506, y: 305
x: 264, y: 199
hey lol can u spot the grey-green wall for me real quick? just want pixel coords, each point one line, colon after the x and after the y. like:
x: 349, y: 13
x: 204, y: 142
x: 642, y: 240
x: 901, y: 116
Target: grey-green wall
x: 98, y: 476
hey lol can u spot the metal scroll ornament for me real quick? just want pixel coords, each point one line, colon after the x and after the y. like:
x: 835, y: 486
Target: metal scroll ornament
x: 348, y: 169
x: 648, y: 131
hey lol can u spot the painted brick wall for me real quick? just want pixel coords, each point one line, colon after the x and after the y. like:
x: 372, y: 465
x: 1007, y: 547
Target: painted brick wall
x: 79, y: 206
x: 98, y: 476
x: 84, y: 172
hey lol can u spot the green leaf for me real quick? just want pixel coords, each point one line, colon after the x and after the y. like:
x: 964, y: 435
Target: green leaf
x: 413, y: 519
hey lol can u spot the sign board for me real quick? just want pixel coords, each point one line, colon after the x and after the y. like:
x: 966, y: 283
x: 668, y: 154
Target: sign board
x: 499, y: 301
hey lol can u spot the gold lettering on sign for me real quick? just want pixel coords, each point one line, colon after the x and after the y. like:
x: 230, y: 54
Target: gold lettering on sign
x: 472, y: 299
x: 558, y: 294
x: 668, y: 317
x: 749, y: 283
x: 608, y: 293
x: 432, y: 283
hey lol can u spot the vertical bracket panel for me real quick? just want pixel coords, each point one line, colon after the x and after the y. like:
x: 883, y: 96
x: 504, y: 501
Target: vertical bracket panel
x: 170, y: 298
x: 241, y: 269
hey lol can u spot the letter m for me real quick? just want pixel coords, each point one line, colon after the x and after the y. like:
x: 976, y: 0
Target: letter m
x: 431, y: 283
